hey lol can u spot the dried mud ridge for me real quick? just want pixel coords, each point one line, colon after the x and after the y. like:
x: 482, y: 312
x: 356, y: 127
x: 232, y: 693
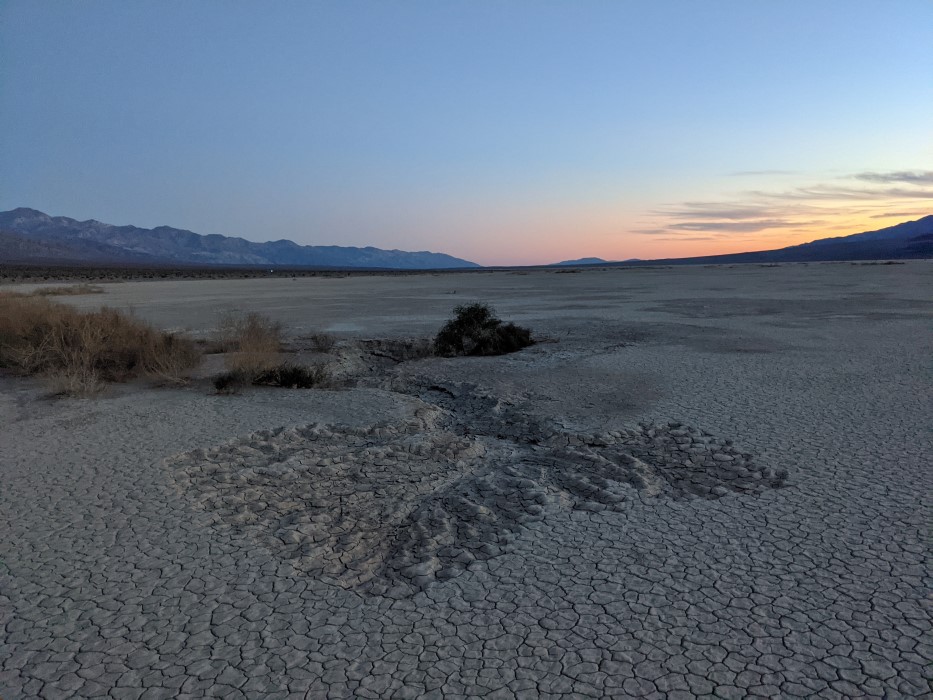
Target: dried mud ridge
x: 390, y: 508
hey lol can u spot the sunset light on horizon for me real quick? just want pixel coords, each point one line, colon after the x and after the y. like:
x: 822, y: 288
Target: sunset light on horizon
x: 505, y: 133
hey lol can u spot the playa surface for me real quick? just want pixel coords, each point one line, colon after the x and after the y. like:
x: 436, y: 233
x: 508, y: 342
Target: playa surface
x: 706, y: 481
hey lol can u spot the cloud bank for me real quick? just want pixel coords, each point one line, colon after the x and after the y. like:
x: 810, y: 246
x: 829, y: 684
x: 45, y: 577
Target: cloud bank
x: 804, y: 209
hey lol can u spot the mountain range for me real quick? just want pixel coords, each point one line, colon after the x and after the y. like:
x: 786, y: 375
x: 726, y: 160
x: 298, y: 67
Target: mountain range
x: 592, y: 261
x: 911, y: 239
x: 580, y: 261
x: 31, y: 236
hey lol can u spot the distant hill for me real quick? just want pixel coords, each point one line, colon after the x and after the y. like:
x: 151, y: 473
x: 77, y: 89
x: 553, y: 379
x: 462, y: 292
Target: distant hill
x: 581, y: 261
x: 32, y: 236
x: 16, y: 247
x: 909, y: 240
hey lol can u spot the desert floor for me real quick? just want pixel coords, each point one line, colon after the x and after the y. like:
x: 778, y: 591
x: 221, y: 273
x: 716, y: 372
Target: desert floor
x: 705, y: 482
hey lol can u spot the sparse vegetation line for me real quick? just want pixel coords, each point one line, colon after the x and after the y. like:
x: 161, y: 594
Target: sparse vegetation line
x: 68, y: 290
x: 65, y: 290
x: 77, y: 352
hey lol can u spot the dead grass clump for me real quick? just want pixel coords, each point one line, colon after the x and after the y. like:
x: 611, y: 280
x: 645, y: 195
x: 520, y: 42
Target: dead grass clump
x: 169, y: 357
x: 77, y: 380
x: 253, y: 342
x: 475, y: 330
x: 78, y: 351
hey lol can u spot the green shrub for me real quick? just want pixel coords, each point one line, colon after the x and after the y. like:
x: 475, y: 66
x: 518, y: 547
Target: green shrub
x: 475, y: 330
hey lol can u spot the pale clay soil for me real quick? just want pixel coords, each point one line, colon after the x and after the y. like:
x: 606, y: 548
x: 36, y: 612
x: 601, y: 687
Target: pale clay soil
x: 706, y: 482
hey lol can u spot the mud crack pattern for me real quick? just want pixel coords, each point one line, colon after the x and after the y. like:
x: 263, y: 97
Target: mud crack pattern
x: 113, y: 583
x: 390, y: 508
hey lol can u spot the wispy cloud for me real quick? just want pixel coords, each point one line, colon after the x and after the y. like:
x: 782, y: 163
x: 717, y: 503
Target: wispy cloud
x: 898, y: 214
x: 821, y: 205
x: 751, y: 226
x: 832, y: 192
x: 916, y: 177
x: 650, y: 231
x: 717, y: 210
x: 756, y: 173
x: 731, y: 218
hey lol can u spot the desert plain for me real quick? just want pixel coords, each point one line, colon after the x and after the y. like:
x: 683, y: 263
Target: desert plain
x: 701, y: 482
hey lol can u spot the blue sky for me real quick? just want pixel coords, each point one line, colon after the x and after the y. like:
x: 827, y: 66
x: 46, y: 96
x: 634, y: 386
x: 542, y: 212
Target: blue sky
x: 503, y: 132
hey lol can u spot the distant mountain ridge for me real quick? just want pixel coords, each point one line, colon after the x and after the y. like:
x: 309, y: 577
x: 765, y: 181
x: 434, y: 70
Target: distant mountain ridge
x: 29, y: 235
x: 580, y: 261
x: 908, y: 240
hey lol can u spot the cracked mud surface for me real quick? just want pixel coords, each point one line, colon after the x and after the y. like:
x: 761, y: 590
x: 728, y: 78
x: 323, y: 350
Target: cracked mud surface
x: 549, y: 524
x: 409, y: 504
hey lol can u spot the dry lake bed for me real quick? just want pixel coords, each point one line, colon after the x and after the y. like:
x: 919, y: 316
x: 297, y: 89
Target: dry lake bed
x: 703, y: 482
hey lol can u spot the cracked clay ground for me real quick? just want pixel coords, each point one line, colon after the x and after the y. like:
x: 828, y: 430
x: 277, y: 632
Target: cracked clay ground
x: 709, y: 482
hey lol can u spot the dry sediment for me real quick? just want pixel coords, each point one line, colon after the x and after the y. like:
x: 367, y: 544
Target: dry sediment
x: 115, y: 583
x: 390, y: 508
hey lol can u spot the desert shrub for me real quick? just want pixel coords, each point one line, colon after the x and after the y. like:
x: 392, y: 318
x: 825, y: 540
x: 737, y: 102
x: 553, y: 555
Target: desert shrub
x: 229, y: 382
x: 286, y: 375
x: 475, y: 330
x: 170, y: 357
x: 253, y: 342
x: 292, y: 376
x: 77, y: 351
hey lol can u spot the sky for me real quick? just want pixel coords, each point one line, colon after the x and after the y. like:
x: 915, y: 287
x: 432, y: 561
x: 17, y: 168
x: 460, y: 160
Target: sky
x: 500, y: 131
